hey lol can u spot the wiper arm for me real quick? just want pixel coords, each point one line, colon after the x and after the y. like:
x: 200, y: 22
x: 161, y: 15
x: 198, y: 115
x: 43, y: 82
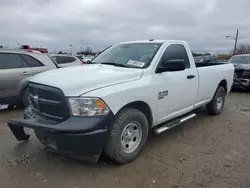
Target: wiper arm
x: 115, y: 64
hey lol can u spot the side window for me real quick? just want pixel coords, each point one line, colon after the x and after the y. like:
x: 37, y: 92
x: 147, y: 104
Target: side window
x: 11, y: 61
x: 71, y: 59
x: 176, y: 51
x: 32, y: 61
x: 65, y: 59
x: 62, y: 59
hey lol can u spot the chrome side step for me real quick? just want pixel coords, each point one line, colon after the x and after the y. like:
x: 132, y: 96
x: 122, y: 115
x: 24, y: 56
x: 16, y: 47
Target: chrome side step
x: 173, y: 123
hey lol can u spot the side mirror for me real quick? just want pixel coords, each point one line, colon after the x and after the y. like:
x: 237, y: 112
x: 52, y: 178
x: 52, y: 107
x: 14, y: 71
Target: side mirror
x: 172, y: 65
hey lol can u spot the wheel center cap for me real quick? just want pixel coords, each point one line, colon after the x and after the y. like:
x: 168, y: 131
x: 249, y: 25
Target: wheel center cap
x: 128, y: 135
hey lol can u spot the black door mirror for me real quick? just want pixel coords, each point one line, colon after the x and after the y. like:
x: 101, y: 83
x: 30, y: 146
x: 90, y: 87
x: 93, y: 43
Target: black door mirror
x: 172, y: 65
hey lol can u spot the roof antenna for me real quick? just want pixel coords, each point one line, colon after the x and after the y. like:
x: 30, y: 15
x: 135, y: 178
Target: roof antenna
x: 151, y: 39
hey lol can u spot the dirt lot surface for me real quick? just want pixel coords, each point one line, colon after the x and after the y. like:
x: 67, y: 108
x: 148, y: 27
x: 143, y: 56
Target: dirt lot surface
x: 204, y: 152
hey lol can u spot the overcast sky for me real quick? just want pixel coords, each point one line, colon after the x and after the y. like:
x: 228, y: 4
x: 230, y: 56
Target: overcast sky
x: 57, y: 23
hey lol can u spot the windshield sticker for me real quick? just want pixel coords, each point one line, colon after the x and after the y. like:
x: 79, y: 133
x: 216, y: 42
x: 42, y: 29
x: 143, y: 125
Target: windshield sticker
x: 136, y: 63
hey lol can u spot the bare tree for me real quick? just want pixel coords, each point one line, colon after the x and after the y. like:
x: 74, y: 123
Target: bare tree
x: 243, y: 49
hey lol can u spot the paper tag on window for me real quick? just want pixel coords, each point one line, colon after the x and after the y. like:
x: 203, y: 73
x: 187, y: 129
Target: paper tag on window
x: 136, y: 63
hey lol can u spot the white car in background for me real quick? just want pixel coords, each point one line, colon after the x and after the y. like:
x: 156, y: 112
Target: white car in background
x: 65, y: 60
x: 85, y: 59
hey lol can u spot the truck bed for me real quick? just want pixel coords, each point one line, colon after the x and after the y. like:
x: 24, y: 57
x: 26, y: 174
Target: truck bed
x: 210, y: 75
x: 214, y: 63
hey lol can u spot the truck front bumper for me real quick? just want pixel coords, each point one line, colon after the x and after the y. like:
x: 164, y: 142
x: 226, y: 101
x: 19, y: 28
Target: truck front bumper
x: 78, y: 137
x: 241, y: 82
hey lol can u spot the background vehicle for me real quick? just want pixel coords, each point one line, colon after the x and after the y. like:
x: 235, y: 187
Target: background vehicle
x: 129, y: 89
x: 64, y: 60
x: 28, y: 48
x: 205, y: 59
x: 85, y: 59
x: 242, y: 70
x: 16, y: 66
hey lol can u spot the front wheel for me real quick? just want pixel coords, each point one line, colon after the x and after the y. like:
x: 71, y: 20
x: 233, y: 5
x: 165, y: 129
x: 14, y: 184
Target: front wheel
x: 216, y: 106
x: 127, y: 136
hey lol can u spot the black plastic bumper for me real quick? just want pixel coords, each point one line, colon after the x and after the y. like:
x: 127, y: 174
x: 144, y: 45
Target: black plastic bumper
x: 77, y: 137
x: 240, y: 82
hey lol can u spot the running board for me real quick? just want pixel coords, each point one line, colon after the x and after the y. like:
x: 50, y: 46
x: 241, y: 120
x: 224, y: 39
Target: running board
x: 173, y: 123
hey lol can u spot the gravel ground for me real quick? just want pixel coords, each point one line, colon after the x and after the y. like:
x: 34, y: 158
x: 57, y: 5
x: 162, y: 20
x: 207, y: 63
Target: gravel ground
x: 208, y: 151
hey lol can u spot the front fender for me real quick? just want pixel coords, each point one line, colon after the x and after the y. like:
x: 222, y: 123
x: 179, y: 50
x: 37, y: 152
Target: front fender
x: 118, y: 96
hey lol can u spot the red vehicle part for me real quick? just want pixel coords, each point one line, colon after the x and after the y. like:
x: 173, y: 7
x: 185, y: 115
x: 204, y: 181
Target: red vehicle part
x: 27, y: 47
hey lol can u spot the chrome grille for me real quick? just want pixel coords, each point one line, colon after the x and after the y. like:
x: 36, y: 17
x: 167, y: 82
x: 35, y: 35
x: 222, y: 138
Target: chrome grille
x: 48, y: 102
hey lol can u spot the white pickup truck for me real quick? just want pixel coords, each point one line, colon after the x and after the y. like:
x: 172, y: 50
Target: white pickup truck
x: 111, y: 104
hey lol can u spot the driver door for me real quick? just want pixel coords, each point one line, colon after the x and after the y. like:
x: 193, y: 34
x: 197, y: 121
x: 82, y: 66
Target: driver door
x: 176, y: 89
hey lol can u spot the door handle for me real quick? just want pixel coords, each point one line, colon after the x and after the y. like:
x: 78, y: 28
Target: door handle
x: 25, y: 73
x: 190, y: 76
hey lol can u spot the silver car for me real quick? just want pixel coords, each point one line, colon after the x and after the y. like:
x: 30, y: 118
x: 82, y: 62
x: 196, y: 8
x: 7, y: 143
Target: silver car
x: 65, y: 60
x: 15, y: 68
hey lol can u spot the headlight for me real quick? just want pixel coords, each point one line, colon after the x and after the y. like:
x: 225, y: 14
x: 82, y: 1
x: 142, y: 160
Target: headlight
x: 81, y: 106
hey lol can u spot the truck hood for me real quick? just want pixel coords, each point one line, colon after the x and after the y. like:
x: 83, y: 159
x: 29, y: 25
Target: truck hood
x: 77, y: 80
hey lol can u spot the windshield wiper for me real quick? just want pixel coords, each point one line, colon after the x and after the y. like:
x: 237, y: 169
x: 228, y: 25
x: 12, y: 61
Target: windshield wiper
x: 115, y: 64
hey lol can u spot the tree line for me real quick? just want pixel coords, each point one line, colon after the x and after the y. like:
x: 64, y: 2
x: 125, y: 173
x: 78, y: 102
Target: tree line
x: 240, y: 49
x: 87, y: 51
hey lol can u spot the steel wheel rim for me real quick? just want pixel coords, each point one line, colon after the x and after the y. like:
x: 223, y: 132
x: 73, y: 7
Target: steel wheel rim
x: 219, y: 101
x: 131, y: 137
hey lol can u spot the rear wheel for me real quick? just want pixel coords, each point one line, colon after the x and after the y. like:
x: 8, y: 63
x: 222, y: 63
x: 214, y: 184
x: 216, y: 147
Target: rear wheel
x: 216, y: 106
x: 127, y: 136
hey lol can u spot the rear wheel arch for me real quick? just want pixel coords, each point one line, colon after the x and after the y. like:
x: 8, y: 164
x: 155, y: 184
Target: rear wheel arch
x: 223, y: 84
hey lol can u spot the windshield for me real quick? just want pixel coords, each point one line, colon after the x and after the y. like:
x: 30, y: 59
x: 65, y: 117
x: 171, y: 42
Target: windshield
x: 134, y: 55
x: 240, y: 60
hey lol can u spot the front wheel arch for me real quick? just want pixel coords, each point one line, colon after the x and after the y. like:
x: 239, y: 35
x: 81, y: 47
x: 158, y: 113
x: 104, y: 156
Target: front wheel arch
x: 143, y: 107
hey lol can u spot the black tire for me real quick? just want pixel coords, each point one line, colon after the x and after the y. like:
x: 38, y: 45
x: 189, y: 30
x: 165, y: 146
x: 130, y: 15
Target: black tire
x: 113, y: 147
x: 25, y: 97
x: 213, y: 108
